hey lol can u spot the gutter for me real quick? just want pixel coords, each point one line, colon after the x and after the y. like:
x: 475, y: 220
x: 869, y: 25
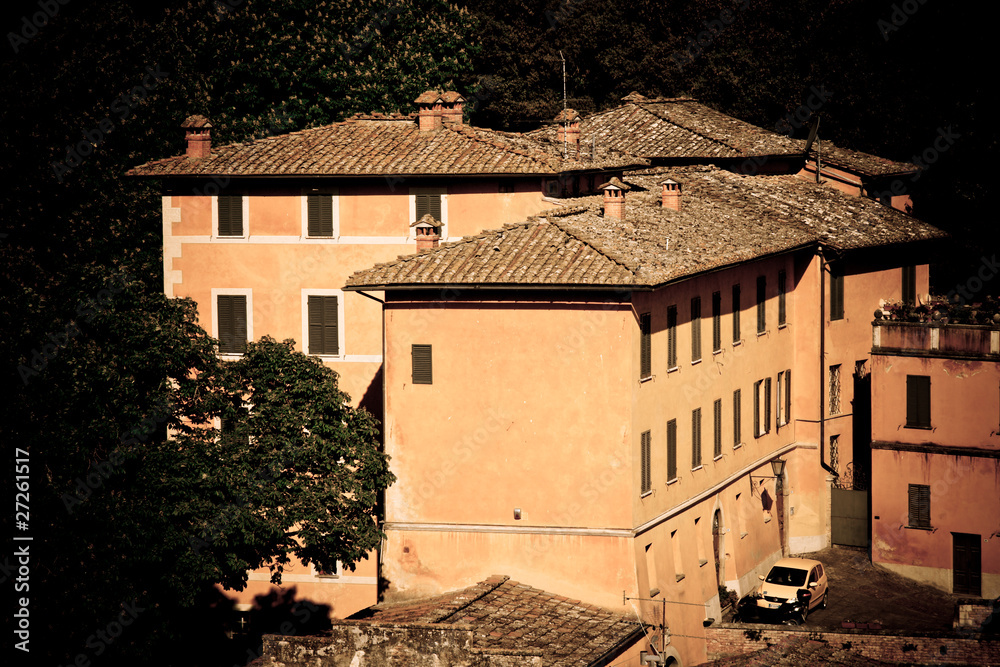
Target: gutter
x: 823, y: 264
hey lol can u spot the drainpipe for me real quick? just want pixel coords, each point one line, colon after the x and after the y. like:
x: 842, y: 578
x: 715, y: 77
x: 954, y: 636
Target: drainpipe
x: 822, y: 362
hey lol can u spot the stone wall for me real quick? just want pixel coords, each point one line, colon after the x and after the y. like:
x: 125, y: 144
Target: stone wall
x: 360, y: 644
x: 928, y: 648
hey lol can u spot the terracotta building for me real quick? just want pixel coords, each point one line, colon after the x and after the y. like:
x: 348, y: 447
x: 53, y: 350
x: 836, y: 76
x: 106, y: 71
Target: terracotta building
x: 592, y: 403
x: 683, y: 131
x: 936, y: 453
x: 263, y: 235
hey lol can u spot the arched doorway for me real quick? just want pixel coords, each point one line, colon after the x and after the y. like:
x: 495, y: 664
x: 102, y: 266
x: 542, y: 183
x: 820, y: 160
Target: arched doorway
x: 718, y: 532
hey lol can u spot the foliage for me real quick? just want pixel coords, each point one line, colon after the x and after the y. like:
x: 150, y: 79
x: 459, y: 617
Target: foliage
x: 727, y: 597
x: 940, y: 311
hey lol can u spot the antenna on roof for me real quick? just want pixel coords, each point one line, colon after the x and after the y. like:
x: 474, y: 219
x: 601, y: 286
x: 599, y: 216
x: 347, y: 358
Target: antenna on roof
x: 566, y: 118
x: 814, y: 136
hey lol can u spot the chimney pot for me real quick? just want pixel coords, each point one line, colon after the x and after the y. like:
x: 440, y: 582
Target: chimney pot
x: 671, y: 194
x: 427, y: 230
x: 614, y: 198
x: 198, y: 134
x: 568, y: 129
x: 436, y: 109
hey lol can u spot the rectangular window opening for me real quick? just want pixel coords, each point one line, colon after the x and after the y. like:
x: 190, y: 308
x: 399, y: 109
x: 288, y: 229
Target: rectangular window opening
x: 696, y: 328
x: 918, y: 401
x: 716, y: 321
x: 422, y: 366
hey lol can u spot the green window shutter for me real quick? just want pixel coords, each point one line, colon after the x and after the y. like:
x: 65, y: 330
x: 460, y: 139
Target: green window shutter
x: 919, y: 505
x: 232, y: 313
x: 696, y: 437
x: 646, y: 455
x: 761, y: 304
x: 767, y: 405
x: 230, y: 215
x: 836, y: 297
x: 320, y: 214
x: 716, y: 321
x: 429, y: 203
x: 918, y: 401
x: 696, y: 328
x: 717, y: 426
x: 756, y: 409
x: 671, y: 449
x: 646, y: 346
x: 672, y: 337
x: 738, y: 417
x: 324, y: 335
x: 422, y: 367
x: 736, y: 313
x: 781, y: 297
x: 788, y: 396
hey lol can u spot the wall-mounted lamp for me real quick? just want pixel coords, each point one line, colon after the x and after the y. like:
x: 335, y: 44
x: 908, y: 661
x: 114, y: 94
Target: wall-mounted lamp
x: 777, y: 467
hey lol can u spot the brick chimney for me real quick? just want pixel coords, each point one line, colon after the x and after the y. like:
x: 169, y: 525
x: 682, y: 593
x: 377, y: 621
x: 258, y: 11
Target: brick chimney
x: 614, y: 198
x: 430, y: 112
x: 568, y: 129
x: 452, y: 104
x: 197, y: 132
x: 671, y: 194
x: 428, y: 232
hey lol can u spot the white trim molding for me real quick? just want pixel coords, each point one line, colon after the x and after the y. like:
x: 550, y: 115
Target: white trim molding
x: 172, y: 247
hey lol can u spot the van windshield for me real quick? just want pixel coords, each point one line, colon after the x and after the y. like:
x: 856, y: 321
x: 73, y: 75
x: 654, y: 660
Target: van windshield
x: 786, y: 576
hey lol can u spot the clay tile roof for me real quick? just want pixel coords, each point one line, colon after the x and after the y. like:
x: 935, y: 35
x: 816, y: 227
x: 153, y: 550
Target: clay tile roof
x: 725, y: 219
x: 864, y: 164
x: 196, y: 121
x: 426, y: 219
x: 383, y: 146
x: 615, y: 183
x: 679, y: 128
x: 506, y: 614
x: 428, y: 97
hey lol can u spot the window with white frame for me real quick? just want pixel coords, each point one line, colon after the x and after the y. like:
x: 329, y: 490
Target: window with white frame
x: 433, y: 201
x: 232, y: 319
x: 321, y: 214
x: 323, y: 322
x: 230, y: 214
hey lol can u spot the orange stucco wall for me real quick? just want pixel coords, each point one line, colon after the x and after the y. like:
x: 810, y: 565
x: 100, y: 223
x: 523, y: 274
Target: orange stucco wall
x: 965, y: 489
x: 848, y: 182
x: 276, y: 263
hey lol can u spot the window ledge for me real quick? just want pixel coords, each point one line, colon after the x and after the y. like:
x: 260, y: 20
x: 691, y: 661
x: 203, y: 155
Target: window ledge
x: 673, y: 369
x: 767, y: 519
x: 717, y: 352
x: 742, y: 535
x: 695, y: 362
x: 698, y: 467
x: 702, y: 562
x: 762, y: 333
x: 647, y: 493
x: 919, y: 428
x: 679, y: 577
x: 646, y: 379
x: 673, y: 481
x: 737, y: 342
x: 737, y: 446
x: 927, y: 528
x: 653, y: 592
x: 716, y: 458
x: 783, y: 326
